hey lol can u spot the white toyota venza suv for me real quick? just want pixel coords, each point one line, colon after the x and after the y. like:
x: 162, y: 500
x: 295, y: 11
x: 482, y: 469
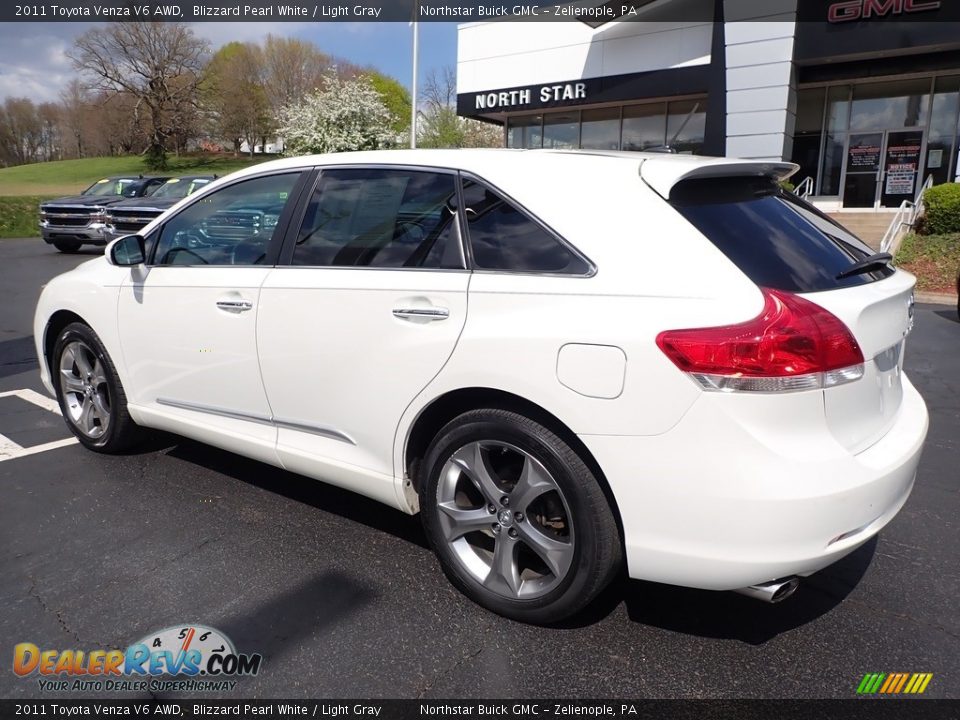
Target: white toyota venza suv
x: 564, y: 361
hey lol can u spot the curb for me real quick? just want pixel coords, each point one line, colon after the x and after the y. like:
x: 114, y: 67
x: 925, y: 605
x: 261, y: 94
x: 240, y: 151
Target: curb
x: 936, y: 298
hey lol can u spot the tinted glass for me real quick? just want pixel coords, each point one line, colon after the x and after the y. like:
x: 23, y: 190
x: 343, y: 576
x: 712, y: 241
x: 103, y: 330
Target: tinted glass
x: 686, y: 125
x: 502, y: 237
x: 381, y: 218
x: 232, y: 226
x: 180, y: 187
x: 644, y: 126
x: 525, y: 132
x: 777, y: 240
x: 561, y: 130
x: 600, y: 129
x: 107, y: 186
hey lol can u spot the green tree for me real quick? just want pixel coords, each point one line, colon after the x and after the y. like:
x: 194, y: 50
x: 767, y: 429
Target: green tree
x: 395, y: 96
x: 235, y: 96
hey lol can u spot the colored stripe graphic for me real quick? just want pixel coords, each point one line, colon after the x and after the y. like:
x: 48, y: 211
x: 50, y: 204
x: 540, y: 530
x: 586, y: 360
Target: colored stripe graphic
x: 894, y: 683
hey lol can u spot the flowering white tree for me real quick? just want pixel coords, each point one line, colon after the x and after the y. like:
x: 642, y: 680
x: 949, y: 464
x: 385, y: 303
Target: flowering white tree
x: 342, y: 115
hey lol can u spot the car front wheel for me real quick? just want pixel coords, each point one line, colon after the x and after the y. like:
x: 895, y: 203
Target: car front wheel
x: 518, y: 520
x: 88, y: 389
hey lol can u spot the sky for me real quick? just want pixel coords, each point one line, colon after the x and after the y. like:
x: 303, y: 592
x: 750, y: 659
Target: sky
x: 33, y: 63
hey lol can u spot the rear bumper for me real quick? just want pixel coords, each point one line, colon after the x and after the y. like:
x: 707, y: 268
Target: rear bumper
x: 714, y: 504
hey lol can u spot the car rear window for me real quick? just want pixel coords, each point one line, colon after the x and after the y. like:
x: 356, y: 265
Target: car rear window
x: 776, y: 239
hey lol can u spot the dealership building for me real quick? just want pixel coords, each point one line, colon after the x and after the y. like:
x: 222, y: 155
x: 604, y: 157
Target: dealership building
x: 864, y: 95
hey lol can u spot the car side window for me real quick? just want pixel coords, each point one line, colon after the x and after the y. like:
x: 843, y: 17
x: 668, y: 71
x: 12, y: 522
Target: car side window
x: 503, y: 237
x: 232, y: 226
x: 381, y: 218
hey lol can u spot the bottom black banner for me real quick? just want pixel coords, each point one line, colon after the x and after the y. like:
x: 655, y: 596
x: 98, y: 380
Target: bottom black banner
x: 867, y: 709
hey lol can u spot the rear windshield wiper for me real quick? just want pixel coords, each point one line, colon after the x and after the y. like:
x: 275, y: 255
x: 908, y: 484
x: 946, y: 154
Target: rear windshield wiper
x: 874, y: 262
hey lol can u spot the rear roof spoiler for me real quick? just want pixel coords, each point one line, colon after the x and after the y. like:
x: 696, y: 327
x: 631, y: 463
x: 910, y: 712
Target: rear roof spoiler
x: 663, y: 172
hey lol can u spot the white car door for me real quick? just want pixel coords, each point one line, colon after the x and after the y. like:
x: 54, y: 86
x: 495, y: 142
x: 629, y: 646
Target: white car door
x: 188, y: 322
x: 366, y: 313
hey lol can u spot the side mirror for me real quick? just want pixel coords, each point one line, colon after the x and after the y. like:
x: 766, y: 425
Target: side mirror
x: 128, y: 251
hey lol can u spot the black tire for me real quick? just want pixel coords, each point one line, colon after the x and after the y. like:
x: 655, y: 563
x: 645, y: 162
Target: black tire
x: 68, y: 246
x: 580, y: 509
x: 119, y: 431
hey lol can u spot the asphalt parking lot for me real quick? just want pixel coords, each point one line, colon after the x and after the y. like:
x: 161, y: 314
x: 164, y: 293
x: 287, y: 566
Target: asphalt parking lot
x: 343, y: 598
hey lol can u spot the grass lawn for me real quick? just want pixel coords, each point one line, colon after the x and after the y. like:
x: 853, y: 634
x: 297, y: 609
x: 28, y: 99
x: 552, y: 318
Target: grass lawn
x: 934, y: 259
x: 69, y: 177
x: 18, y: 216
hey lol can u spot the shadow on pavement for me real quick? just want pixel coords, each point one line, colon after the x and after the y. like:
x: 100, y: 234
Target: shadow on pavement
x: 17, y: 356
x: 950, y: 315
x: 311, y: 492
x: 296, y: 614
x: 703, y: 613
x: 727, y: 615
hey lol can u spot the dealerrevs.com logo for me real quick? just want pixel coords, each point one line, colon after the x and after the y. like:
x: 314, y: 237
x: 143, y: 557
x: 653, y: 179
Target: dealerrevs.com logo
x: 184, y: 658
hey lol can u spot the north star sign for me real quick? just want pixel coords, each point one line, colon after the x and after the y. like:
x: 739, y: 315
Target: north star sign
x: 516, y: 98
x: 865, y: 9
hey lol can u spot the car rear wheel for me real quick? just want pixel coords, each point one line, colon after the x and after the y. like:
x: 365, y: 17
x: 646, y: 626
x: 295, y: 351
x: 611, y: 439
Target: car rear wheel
x: 88, y: 389
x: 517, y: 519
x: 67, y: 246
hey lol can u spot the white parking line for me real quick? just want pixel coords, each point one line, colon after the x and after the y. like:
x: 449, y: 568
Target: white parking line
x: 9, y: 450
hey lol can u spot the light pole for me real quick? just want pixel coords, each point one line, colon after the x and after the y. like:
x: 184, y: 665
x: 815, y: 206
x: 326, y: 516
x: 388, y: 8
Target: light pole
x: 413, y: 84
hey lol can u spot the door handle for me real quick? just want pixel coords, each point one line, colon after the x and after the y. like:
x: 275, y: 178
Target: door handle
x: 427, y: 314
x: 237, y: 306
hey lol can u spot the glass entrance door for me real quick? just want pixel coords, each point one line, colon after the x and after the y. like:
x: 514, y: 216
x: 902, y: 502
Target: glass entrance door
x: 863, y: 170
x: 882, y: 169
x: 901, y: 167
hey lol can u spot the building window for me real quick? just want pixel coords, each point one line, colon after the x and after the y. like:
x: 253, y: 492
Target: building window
x: 941, y: 148
x: 561, y: 131
x: 838, y: 120
x: 525, y: 132
x: 644, y: 126
x: 679, y: 124
x: 890, y: 105
x: 686, y: 125
x: 600, y: 129
x: 808, y: 132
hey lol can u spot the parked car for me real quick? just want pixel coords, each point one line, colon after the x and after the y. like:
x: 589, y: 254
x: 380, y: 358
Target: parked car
x: 131, y: 216
x: 563, y: 361
x: 68, y: 223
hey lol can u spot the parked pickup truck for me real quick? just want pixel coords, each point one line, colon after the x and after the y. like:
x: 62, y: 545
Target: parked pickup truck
x: 70, y: 222
x: 128, y: 217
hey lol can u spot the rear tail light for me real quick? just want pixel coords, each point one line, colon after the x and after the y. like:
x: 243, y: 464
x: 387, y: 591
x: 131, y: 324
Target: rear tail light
x: 793, y: 344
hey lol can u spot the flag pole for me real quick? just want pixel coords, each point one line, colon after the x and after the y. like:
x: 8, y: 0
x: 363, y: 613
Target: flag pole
x: 413, y: 84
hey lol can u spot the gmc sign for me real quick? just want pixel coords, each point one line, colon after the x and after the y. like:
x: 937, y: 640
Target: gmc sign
x: 865, y: 9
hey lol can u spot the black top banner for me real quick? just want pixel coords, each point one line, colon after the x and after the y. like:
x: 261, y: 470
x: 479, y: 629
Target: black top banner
x: 595, y: 13
x: 528, y: 709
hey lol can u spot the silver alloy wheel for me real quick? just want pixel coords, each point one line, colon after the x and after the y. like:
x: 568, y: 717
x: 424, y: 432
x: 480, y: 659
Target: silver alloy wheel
x: 505, y: 519
x: 83, y: 385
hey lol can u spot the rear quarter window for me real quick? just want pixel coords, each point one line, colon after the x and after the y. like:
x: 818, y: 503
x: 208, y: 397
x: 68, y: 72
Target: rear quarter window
x: 776, y: 239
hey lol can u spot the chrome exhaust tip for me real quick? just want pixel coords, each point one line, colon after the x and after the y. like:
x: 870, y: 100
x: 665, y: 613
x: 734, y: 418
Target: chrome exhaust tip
x: 773, y: 591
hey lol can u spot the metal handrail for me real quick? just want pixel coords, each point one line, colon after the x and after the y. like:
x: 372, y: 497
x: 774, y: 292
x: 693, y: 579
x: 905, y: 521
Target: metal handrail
x: 905, y: 218
x: 805, y: 188
x: 902, y: 218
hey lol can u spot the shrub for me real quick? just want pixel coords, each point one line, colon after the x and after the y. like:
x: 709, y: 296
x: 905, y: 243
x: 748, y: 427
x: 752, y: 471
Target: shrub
x: 942, y: 214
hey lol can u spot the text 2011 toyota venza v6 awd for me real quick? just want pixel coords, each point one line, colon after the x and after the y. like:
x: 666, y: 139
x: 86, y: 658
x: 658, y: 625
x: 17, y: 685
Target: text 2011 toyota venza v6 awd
x: 563, y: 361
